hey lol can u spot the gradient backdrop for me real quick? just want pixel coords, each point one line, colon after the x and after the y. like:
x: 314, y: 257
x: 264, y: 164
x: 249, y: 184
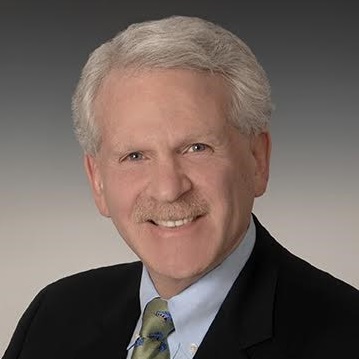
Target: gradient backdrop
x: 49, y: 226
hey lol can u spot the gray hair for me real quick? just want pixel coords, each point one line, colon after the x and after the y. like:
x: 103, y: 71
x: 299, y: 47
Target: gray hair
x: 176, y: 43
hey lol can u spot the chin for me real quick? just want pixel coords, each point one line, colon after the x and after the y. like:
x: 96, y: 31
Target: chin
x: 180, y: 270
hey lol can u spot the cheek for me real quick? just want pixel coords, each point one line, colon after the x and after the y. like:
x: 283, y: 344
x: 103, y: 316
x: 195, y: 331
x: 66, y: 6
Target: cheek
x: 228, y: 184
x: 231, y: 194
x: 120, y: 192
x: 218, y: 186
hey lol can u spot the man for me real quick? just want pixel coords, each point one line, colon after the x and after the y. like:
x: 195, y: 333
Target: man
x: 173, y: 119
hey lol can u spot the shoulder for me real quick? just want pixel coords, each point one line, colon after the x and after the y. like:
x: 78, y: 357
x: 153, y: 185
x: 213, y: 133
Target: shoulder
x: 311, y: 288
x: 298, y: 275
x: 316, y: 310
x: 92, y: 290
x: 97, y: 282
x: 75, y: 308
x: 310, y: 301
x: 100, y: 277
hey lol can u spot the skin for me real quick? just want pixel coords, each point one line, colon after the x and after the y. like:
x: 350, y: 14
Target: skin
x: 169, y: 153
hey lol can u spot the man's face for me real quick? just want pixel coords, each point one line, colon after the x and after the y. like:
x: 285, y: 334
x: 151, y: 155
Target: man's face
x: 176, y: 178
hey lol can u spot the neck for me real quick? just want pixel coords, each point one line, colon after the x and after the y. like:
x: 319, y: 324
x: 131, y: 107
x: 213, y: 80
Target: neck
x: 169, y: 287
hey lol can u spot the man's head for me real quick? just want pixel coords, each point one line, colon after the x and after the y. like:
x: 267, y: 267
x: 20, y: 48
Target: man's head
x: 172, y: 43
x: 172, y: 116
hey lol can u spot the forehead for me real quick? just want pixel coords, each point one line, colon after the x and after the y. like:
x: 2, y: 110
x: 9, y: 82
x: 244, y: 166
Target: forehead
x: 165, y: 98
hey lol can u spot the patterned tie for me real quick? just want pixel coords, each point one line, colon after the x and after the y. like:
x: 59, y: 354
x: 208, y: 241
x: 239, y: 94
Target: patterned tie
x: 157, y: 324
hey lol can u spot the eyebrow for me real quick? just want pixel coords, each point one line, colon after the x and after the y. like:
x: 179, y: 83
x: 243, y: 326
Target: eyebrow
x: 215, y: 138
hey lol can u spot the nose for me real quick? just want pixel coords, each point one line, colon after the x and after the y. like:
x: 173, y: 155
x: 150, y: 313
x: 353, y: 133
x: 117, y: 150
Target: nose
x: 168, y: 181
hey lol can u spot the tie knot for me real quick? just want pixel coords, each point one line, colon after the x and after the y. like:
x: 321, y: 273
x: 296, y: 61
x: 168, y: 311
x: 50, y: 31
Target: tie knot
x: 157, y: 321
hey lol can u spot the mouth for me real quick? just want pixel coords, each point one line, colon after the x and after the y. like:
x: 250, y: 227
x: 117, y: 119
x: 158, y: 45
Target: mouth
x: 176, y: 223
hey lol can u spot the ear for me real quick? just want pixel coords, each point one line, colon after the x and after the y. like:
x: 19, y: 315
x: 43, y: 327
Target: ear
x: 261, y: 146
x: 94, y: 175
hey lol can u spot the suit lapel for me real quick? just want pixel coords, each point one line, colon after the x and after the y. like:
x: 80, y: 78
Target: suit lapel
x: 246, y: 316
x: 117, y: 322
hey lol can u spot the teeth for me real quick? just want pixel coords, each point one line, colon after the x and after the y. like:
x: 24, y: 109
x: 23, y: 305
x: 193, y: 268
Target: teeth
x: 171, y: 224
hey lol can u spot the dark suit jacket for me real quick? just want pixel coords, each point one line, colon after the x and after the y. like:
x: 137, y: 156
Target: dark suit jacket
x: 280, y: 307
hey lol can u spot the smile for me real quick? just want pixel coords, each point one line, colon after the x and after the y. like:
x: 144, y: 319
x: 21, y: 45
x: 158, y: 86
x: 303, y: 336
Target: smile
x: 172, y: 224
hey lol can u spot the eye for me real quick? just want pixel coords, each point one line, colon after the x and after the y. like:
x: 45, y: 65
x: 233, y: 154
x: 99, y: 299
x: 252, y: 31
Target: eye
x: 134, y: 156
x: 198, y: 147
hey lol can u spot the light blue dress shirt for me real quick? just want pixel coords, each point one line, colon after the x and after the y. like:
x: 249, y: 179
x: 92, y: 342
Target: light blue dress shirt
x: 194, y: 309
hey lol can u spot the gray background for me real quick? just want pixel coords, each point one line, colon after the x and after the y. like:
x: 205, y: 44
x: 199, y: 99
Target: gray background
x: 49, y: 226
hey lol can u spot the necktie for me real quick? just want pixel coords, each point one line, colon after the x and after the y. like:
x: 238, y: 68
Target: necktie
x: 157, y: 324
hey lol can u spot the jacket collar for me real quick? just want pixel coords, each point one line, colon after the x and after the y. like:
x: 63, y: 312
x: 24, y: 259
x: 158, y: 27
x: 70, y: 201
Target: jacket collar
x: 246, y: 316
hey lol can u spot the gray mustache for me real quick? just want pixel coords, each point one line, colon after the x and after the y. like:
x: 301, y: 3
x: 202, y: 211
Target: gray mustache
x: 147, y: 209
